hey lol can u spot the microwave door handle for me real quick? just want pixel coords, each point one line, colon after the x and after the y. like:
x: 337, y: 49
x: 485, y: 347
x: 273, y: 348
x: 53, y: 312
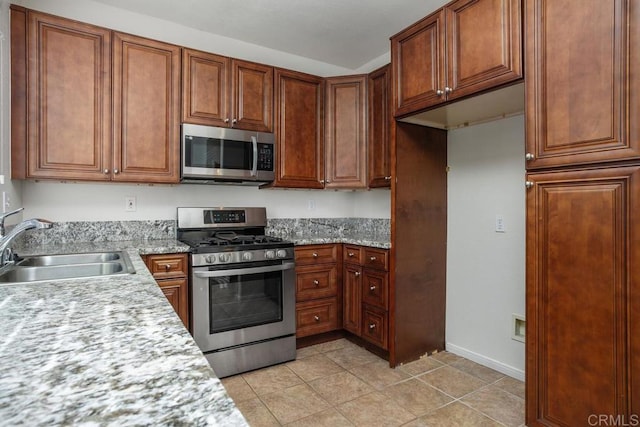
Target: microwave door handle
x: 254, y: 169
x: 239, y: 271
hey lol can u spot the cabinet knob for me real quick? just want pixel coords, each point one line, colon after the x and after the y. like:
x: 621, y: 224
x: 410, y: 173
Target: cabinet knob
x: 167, y: 267
x: 315, y: 255
x: 529, y: 184
x: 116, y: 171
x: 226, y: 120
x: 106, y: 171
x: 357, y: 273
x: 322, y: 181
x: 316, y: 282
x: 372, y: 326
x: 234, y: 121
x: 448, y: 90
x: 372, y: 258
x: 529, y: 156
x: 387, y: 178
x: 327, y: 181
x: 351, y: 254
x: 316, y: 318
x: 372, y: 288
x: 439, y: 92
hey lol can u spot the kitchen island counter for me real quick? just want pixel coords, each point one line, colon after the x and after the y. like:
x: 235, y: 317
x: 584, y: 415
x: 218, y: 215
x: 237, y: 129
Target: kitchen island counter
x: 103, y: 351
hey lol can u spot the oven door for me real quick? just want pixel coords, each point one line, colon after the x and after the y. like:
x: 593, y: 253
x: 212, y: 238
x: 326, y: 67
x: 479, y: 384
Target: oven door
x: 242, y: 305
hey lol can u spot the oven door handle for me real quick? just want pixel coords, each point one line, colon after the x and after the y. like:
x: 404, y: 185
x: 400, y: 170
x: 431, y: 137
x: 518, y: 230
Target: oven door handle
x: 254, y: 169
x: 250, y: 270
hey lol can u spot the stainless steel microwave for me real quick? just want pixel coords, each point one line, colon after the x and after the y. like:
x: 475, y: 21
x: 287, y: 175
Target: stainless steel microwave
x: 214, y: 155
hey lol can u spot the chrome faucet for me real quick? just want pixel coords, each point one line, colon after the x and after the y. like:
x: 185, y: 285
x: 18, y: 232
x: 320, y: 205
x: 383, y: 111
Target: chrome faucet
x: 2, y: 218
x: 6, y: 253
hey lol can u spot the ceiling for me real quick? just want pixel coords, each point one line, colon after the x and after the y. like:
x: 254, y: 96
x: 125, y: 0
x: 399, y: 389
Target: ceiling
x: 345, y: 33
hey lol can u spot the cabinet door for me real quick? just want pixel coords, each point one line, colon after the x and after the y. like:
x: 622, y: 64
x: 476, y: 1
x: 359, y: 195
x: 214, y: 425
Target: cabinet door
x: 418, y: 61
x: 352, y: 286
x: 378, y: 137
x: 583, y: 81
x: 375, y: 288
x: 68, y: 111
x: 177, y: 292
x: 205, y: 100
x: 582, y: 263
x: 252, y: 101
x: 374, y: 326
x: 146, y: 90
x: 346, y: 132
x: 484, y: 45
x: 299, y: 130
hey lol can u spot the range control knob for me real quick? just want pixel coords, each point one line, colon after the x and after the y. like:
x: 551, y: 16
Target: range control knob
x: 224, y: 257
x: 247, y: 256
x: 210, y: 259
x: 281, y: 253
x: 269, y: 254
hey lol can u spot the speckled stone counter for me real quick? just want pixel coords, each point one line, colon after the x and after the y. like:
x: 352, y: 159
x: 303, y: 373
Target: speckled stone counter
x: 375, y: 241
x: 103, y: 352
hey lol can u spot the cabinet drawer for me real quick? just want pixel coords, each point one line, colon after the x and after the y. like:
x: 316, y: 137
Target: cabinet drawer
x: 314, y: 282
x: 375, y: 288
x: 376, y: 258
x: 316, y: 254
x: 315, y: 317
x: 169, y: 265
x: 374, y: 326
x: 353, y: 254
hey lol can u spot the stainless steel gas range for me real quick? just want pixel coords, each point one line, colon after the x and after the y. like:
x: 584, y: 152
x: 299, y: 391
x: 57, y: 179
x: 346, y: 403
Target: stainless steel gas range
x: 243, y: 288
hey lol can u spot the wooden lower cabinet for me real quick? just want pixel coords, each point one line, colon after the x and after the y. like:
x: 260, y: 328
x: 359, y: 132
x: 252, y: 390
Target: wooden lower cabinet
x: 171, y: 273
x: 366, y: 294
x: 318, y: 289
x: 583, y: 296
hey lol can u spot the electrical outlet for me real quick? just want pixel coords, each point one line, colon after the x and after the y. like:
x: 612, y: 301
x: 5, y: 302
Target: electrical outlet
x: 130, y: 203
x: 518, y: 328
x: 500, y: 224
x: 311, y: 205
x: 6, y: 202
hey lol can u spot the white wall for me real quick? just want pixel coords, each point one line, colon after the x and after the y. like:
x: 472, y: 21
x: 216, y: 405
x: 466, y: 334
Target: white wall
x: 93, y: 202
x: 485, y: 269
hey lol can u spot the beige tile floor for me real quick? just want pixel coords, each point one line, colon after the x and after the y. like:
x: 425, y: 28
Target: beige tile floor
x: 340, y: 384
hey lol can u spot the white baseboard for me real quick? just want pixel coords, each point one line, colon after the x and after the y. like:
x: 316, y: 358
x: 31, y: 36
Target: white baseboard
x: 486, y: 361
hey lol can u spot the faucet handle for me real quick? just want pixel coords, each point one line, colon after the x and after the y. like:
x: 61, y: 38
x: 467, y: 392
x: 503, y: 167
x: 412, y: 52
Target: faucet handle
x: 3, y: 216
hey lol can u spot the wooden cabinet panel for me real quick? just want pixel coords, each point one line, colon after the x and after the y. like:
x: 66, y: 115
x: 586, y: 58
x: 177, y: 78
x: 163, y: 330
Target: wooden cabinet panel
x: 171, y: 273
x: 467, y: 47
x: 375, y: 288
x: 176, y: 291
x: 346, y: 132
x: 314, y: 317
x: 299, y: 103
x: 484, y: 45
x: 67, y: 115
x: 351, y: 305
x: 205, y: 85
x: 353, y: 254
x: 582, y: 264
x: 252, y: 102
x: 146, y: 86
x: 374, y: 326
x: 376, y: 258
x: 582, y: 108
x: 315, y: 282
x: 317, y: 254
x: 378, y: 149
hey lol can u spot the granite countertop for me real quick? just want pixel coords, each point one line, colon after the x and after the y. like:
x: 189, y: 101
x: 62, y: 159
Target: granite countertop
x: 374, y: 240
x: 103, y: 351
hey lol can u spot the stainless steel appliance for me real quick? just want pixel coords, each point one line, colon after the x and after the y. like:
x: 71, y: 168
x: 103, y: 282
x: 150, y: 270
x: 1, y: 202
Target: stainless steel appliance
x: 213, y: 155
x: 243, y: 288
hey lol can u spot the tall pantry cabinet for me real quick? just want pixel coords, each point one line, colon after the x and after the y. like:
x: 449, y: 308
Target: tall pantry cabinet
x: 583, y: 205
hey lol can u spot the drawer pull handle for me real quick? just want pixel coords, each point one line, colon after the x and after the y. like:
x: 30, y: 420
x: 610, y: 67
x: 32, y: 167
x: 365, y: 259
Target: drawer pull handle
x: 316, y: 318
x: 167, y: 267
x: 372, y: 258
x: 351, y: 254
x: 357, y: 273
x: 315, y: 255
x: 372, y: 288
x: 372, y: 326
x: 316, y: 282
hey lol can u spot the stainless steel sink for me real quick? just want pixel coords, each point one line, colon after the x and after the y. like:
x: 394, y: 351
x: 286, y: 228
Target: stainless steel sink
x: 68, y: 266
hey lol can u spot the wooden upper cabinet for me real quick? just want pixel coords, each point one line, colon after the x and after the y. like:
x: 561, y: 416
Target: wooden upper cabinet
x: 346, y: 132
x: 583, y: 295
x: 146, y: 89
x: 299, y: 130
x: 583, y: 82
x: 219, y: 91
x: 379, y: 118
x: 465, y: 48
x: 61, y: 105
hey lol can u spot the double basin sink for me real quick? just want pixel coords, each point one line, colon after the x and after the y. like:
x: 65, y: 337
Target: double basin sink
x: 68, y: 266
